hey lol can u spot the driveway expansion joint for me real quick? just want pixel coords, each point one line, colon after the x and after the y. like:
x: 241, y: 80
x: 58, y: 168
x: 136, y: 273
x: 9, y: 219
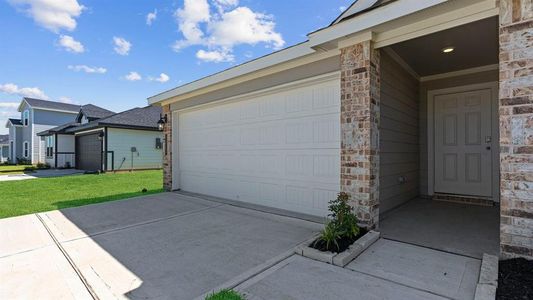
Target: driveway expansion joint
x: 69, y: 260
x: 103, y: 232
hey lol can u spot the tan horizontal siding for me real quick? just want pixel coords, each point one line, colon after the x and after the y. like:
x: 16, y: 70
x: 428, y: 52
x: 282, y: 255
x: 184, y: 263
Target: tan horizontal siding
x: 399, y: 135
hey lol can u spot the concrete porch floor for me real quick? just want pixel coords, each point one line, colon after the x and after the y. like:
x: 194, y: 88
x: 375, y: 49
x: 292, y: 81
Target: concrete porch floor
x: 452, y: 227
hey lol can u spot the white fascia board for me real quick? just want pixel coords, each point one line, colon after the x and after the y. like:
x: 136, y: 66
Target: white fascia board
x: 270, y: 60
x: 370, y: 19
x: 88, y: 131
x: 56, y: 110
x: 19, y: 109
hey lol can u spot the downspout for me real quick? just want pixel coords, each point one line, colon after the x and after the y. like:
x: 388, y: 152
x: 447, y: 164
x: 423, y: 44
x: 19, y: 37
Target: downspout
x: 55, y: 151
x: 105, y: 150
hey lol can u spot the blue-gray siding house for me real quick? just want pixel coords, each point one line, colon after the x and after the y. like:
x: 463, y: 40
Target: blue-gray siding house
x: 36, y: 115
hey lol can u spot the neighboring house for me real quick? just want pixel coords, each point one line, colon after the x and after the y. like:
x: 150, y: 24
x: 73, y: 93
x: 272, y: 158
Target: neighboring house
x: 393, y: 100
x: 4, y: 148
x: 100, y: 140
x: 36, y: 115
x: 15, y: 139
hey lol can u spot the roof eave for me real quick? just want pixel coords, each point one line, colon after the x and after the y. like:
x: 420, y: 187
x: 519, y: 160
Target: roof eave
x: 264, y: 62
x: 368, y: 20
x: 317, y: 42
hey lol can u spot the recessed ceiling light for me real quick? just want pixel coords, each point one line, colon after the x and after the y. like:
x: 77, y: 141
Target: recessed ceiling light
x: 448, y: 49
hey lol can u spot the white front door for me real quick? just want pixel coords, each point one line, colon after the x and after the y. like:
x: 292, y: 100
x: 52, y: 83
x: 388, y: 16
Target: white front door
x: 463, y: 143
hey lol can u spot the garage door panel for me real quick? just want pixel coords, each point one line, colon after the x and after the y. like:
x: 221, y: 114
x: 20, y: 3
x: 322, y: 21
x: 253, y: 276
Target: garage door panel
x: 313, y: 165
x: 280, y: 150
x: 88, y: 152
x: 321, y: 131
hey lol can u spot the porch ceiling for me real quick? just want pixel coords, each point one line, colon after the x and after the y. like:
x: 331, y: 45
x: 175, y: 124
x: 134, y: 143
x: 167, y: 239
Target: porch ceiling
x: 476, y: 44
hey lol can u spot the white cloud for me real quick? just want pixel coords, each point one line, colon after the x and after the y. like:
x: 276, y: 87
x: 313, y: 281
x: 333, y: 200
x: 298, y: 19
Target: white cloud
x: 223, y: 29
x: 189, y: 18
x: 223, y: 5
x: 133, y: 76
x: 342, y: 8
x: 243, y: 26
x: 53, y: 15
x: 214, y: 56
x: 151, y: 17
x: 9, y: 105
x: 70, y: 44
x: 87, y: 69
x: 8, y: 110
x: 66, y: 100
x: 162, y: 78
x: 31, y: 92
x: 122, y: 46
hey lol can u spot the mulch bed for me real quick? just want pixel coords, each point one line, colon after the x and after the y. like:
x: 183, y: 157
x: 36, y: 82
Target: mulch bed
x: 515, y: 279
x: 344, y: 243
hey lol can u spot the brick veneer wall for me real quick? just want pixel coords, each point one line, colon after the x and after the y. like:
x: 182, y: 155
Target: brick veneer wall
x: 167, y: 150
x: 516, y: 128
x: 360, y: 91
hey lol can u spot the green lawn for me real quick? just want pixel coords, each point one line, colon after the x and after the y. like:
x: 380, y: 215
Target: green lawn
x: 11, y: 169
x: 43, y: 194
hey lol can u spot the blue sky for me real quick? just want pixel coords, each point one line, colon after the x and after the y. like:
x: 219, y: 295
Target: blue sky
x: 116, y: 55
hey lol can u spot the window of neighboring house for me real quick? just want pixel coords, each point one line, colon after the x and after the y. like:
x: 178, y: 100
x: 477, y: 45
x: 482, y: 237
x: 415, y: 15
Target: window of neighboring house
x: 26, y: 149
x: 49, y: 146
x: 26, y: 117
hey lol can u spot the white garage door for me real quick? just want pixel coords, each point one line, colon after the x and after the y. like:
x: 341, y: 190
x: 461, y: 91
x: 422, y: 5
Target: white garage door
x: 279, y: 148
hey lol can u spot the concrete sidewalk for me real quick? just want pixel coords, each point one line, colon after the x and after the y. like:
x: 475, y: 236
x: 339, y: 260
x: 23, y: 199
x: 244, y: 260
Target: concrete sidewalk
x: 41, y: 174
x: 32, y: 266
x: 386, y: 270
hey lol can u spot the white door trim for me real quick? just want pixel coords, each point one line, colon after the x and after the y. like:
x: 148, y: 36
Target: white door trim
x: 493, y: 86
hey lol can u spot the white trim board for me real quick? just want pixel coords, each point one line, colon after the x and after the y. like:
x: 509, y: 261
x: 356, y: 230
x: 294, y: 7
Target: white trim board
x: 460, y: 72
x: 270, y: 90
x: 493, y: 86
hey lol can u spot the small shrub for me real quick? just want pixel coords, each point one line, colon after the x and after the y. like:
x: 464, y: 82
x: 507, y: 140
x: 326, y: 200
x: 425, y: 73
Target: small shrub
x: 341, y: 227
x: 343, y: 217
x: 225, y: 295
x: 330, y: 236
x: 42, y: 166
x: 29, y: 169
x: 144, y: 190
x: 23, y: 161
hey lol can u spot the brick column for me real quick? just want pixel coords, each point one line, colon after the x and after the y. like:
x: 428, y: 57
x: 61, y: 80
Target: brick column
x: 360, y: 88
x: 167, y: 149
x: 516, y: 128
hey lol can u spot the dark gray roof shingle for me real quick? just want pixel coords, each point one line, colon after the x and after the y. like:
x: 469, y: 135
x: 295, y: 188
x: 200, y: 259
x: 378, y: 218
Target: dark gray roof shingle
x: 39, y: 103
x: 59, y: 129
x: 95, y: 112
x: 15, y: 121
x: 139, y: 117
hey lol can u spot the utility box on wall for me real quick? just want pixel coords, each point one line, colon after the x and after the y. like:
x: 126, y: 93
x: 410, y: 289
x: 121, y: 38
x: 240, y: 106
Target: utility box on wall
x: 158, y: 144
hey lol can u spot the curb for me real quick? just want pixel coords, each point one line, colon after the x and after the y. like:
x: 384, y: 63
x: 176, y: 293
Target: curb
x: 338, y: 259
x: 488, y: 278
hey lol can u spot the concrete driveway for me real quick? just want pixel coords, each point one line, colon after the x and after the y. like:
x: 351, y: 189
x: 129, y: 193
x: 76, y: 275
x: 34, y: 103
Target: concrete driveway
x: 164, y: 246
x: 173, y: 246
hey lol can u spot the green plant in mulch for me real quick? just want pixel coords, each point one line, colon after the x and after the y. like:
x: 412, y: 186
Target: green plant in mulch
x: 42, y: 166
x: 341, y: 230
x: 225, y: 295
